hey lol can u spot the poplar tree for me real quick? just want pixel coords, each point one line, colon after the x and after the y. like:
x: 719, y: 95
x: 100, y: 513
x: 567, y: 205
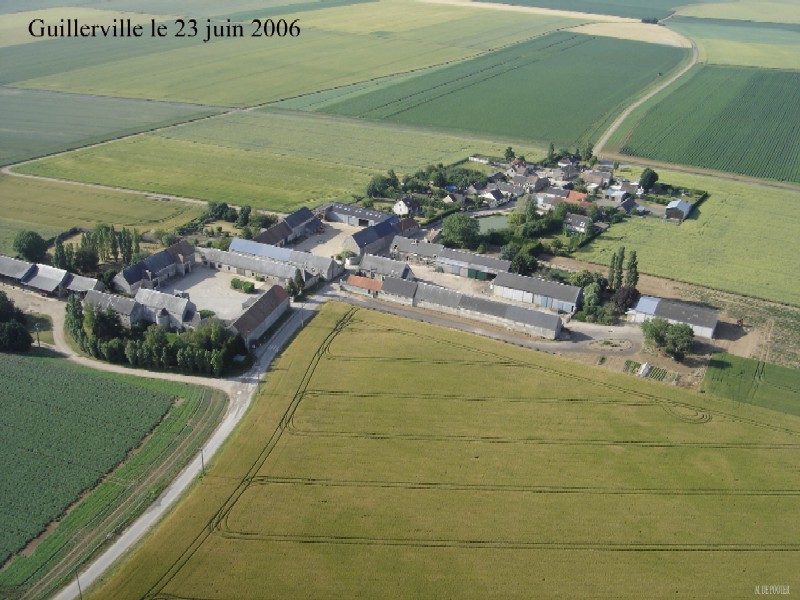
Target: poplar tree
x: 632, y: 271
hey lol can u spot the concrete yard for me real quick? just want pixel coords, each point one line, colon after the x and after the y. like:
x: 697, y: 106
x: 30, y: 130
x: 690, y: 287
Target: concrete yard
x: 328, y: 243
x: 211, y: 289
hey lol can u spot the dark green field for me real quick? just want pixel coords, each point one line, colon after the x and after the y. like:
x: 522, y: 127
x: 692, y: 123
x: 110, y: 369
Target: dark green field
x: 729, y: 119
x: 543, y: 90
x: 754, y: 382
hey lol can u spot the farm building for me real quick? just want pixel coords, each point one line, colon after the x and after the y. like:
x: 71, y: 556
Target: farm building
x: 407, y: 226
x: 302, y: 222
x: 457, y: 262
x: 277, y: 235
x: 47, y: 280
x: 249, y: 266
x: 678, y: 209
x: 164, y: 309
x: 362, y: 285
x: 401, y: 291
x: 372, y: 239
x: 356, y: 215
x: 78, y: 285
x: 380, y: 267
x: 319, y: 266
x: 577, y: 223
x: 702, y: 320
x: 178, y: 259
x: 261, y: 315
x: 13, y: 270
x: 548, y: 294
x: 129, y: 311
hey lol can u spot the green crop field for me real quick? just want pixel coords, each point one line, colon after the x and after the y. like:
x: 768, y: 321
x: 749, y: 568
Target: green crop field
x: 337, y: 46
x: 730, y: 42
x: 512, y: 93
x: 730, y: 242
x: 51, y: 207
x: 729, y: 119
x: 771, y: 11
x: 40, y: 123
x: 272, y: 160
x: 390, y: 458
x: 754, y: 382
x: 636, y: 9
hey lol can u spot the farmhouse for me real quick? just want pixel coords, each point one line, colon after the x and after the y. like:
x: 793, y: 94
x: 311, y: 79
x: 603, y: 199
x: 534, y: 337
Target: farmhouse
x: 678, y: 209
x: 356, y: 215
x: 362, y: 285
x: 248, y: 266
x: 178, y: 259
x: 372, y: 239
x: 559, y: 297
x: 405, y: 207
x: 13, y: 270
x: 261, y: 315
x: 577, y: 223
x: 166, y: 310
x: 457, y: 262
x: 129, y: 311
x: 380, y: 267
x: 703, y: 321
x: 318, y: 266
x: 47, y: 280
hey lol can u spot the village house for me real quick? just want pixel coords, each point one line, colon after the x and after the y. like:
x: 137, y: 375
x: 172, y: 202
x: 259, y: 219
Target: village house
x: 173, y: 312
x: 406, y: 207
x: 559, y: 297
x: 260, y: 315
x: 494, y: 198
x: 577, y: 223
x: 455, y: 198
x: 702, y: 320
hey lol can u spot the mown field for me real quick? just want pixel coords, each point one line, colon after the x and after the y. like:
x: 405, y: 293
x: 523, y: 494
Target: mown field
x: 40, y: 123
x: 277, y: 161
x: 740, y: 120
x: 537, y: 91
x: 745, y: 43
x: 51, y: 207
x: 337, y: 46
x: 390, y: 458
x: 636, y: 9
x: 730, y: 242
x: 754, y: 382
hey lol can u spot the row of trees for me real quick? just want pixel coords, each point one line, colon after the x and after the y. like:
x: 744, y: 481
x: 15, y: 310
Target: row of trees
x: 208, y: 349
x: 14, y: 336
x: 615, y: 269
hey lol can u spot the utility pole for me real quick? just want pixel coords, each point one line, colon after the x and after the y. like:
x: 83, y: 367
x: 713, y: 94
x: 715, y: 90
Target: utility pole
x: 38, y: 342
x: 202, y: 462
x: 80, y: 591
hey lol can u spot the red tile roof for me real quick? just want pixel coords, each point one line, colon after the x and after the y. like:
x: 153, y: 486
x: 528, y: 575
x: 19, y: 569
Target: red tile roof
x: 373, y: 285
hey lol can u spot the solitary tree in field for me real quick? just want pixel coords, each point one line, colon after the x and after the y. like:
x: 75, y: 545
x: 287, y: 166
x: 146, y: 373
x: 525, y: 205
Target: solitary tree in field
x: 30, y: 246
x: 648, y: 179
x: 510, y: 155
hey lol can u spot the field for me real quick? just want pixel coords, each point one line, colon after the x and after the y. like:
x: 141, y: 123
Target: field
x: 51, y: 207
x: 65, y: 427
x: 510, y: 93
x: 740, y: 120
x: 337, y: 46
x: 39, y: 123
x: 389, y: 458
x: 771, y: 11
x: 729, y: 42
x: 730, y: 242
x: 277, y: 161
x: 754, y: 382
x: 636, y: 9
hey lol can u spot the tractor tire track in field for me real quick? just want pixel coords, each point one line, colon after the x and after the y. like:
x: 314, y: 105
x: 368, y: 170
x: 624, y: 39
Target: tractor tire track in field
x: 221, y: 515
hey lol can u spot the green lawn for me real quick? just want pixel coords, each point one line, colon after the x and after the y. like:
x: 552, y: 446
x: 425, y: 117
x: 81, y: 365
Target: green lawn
x: 390, y: 458
x: 754, y: 382
x: 272, y: 160
x: 724, y: 118
x: 53, y: 207
x: 542, y: 90
x: 41, y: 123
x: 731, y: 242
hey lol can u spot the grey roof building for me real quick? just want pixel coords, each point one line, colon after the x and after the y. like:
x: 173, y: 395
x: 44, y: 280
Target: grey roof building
x: 46, y: 279
x: 382, y: 267
x: 177, y: 259
x: 130, y: 312
x: 321, y: 266
x: 165, y: 309
x: 261, y: 314
x: 356, y: 215
x: 13, y: 269
x: 457, y: 262
x: 277, y: 235
x: 548, y: 294
x: 702, y: 320
x: 402, y: 290
x: 76, y: 284
x: 248, y: 265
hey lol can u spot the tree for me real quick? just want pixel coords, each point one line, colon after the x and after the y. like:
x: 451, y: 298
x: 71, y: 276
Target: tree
x: 126, y: 245
x: 612, y: 270
x: 615, y: 165
x: 136, y: 257
x: 648, y: 179
x: 8, y: 311
x: 632, y: 271
x: 551, y: 152
x: 30, y: 246
x: 624, y: 298
x: 60, y: 256
x: 244, y: 216
x: 655, y: 331
x: 377, y: 186
x: 591, y: 296
x: 299, y: 282
x: 679, y: 340
x: 524, y: 262
x: 392, y: 181
x: 14, y: 337
x: 86, y: 259
x: 510, y: 155
x: 587, y: 151
x: 461, y: 230
x: 291, y: 288
x: 114, y: 245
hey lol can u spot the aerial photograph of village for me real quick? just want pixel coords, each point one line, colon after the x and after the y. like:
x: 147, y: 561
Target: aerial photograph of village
x: 414, y: 299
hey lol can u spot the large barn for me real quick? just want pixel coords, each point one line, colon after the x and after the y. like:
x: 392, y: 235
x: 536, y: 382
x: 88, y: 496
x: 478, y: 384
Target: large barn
x: 702, y: 320
x: 548, y: 294
x: 261, y: 315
